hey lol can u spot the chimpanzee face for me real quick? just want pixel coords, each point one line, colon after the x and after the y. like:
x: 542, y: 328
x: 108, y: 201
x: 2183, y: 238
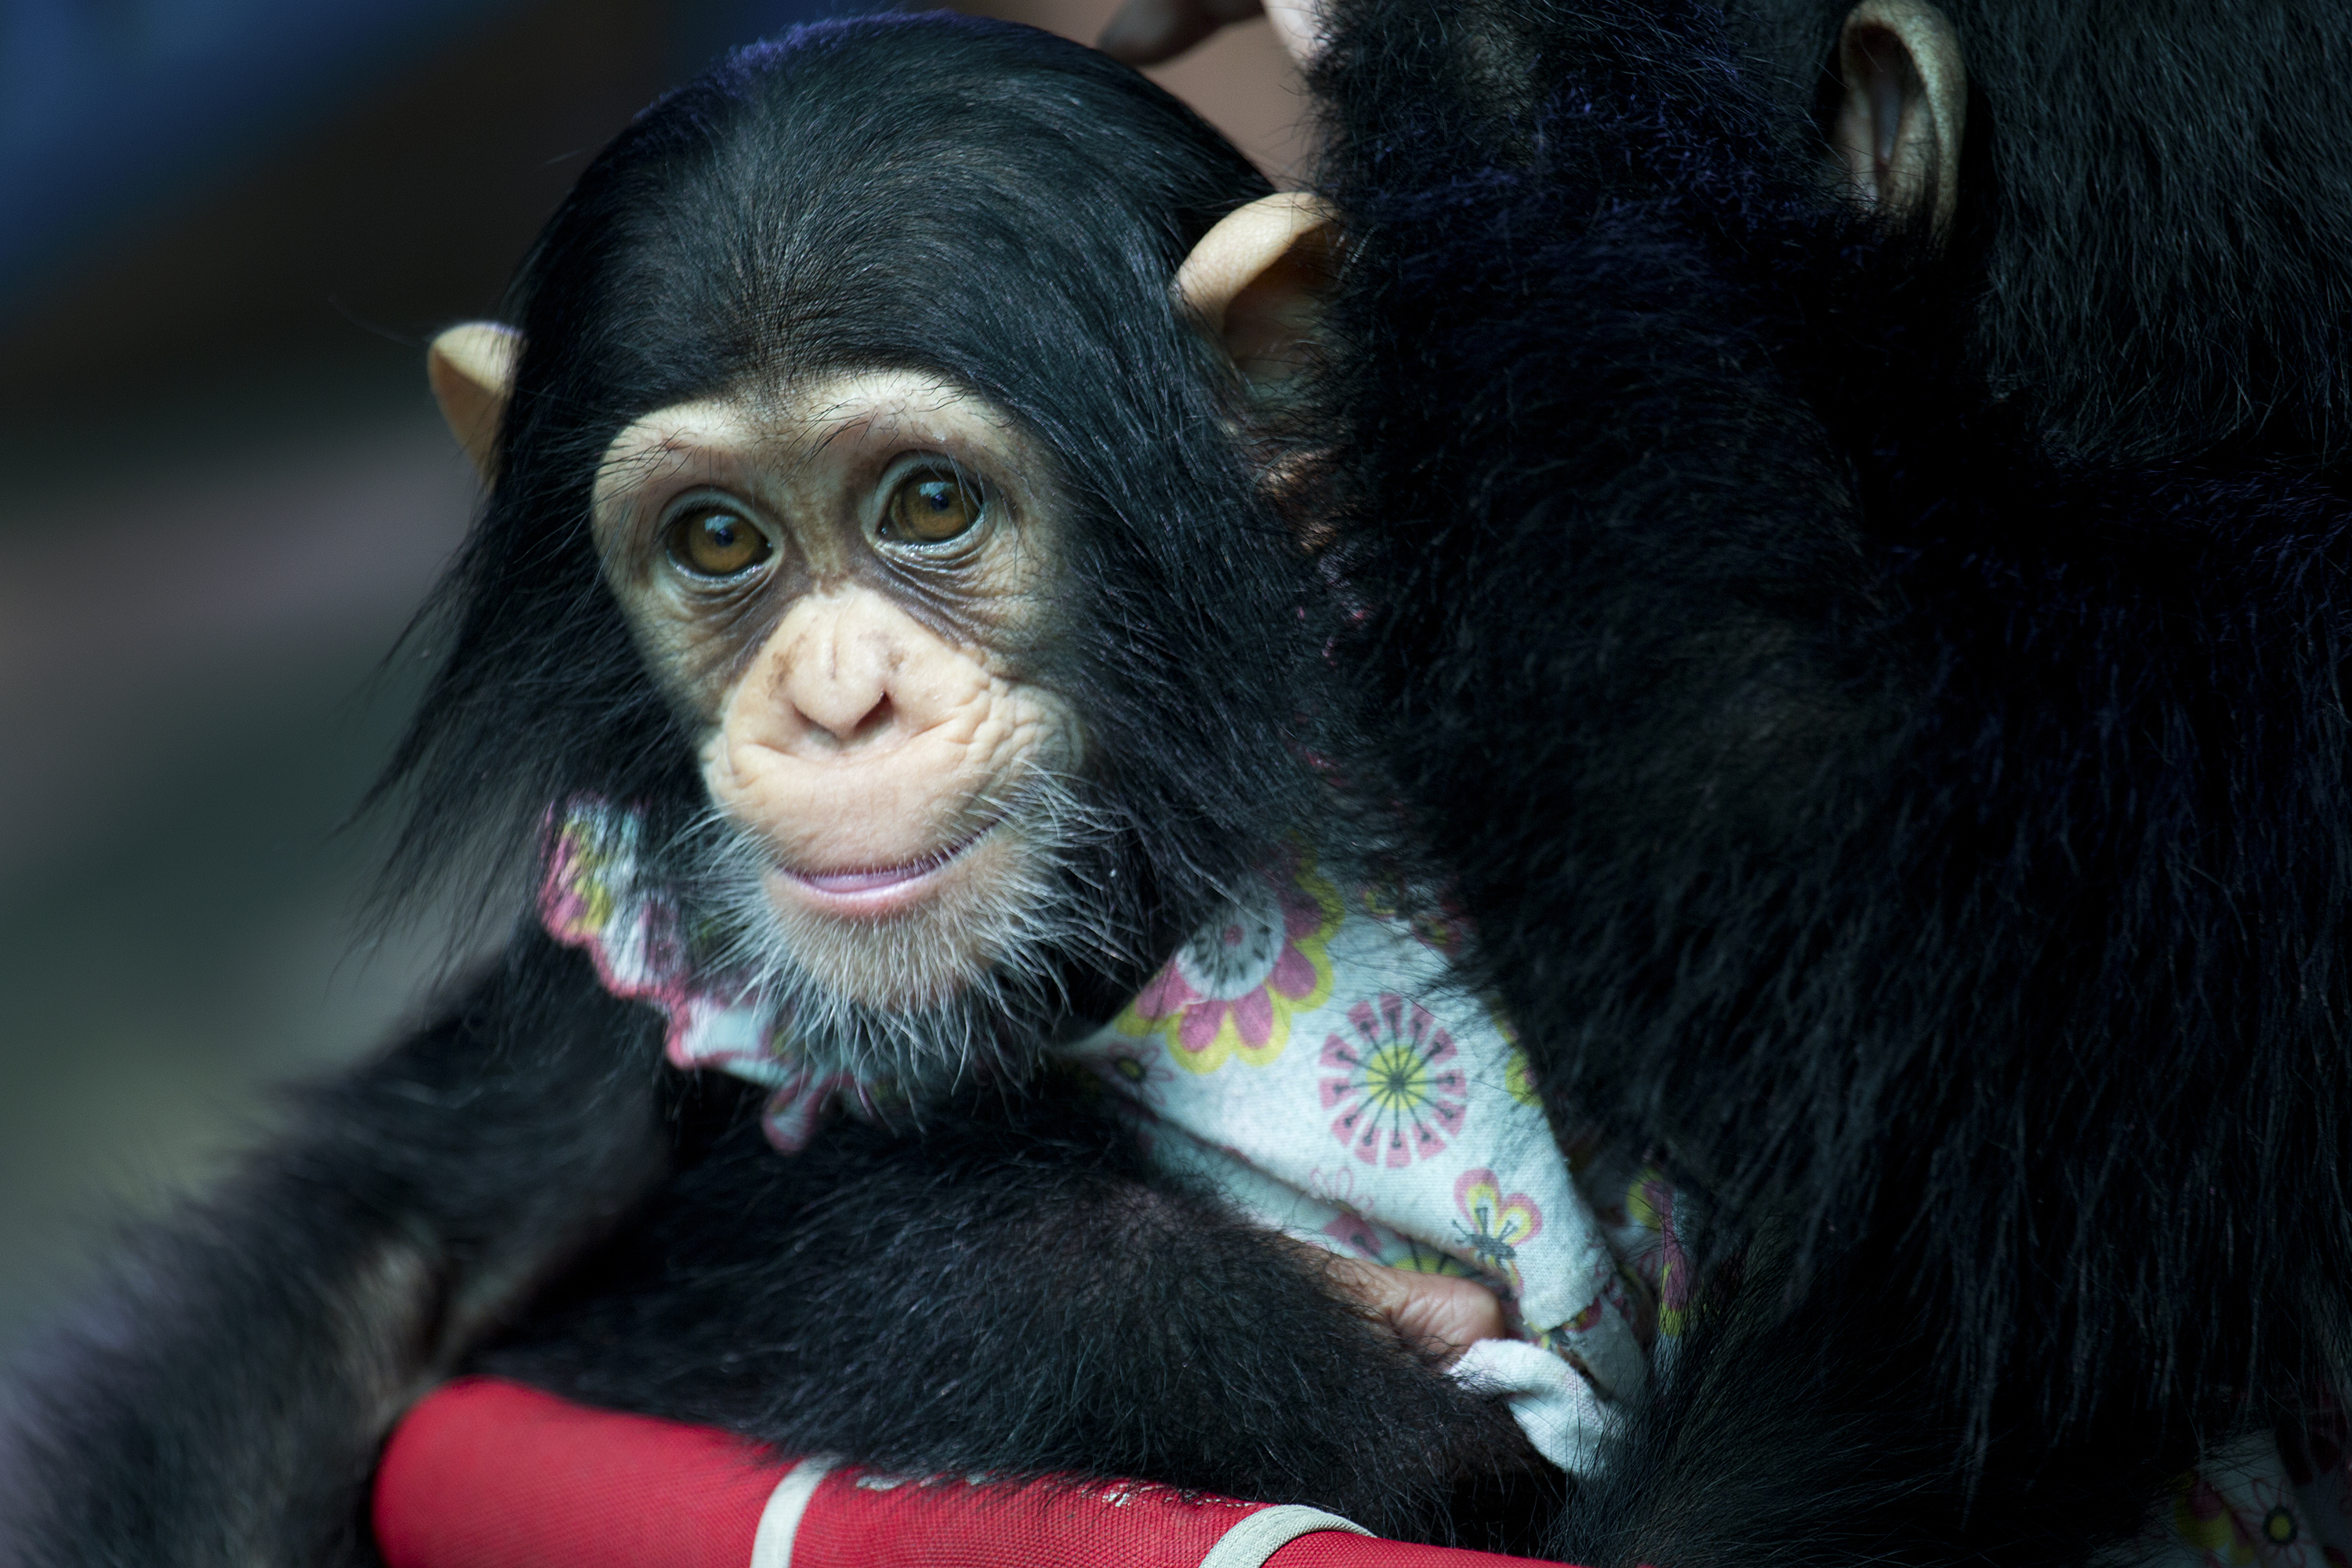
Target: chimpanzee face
x: 844, y: 585
x: 981, y: 722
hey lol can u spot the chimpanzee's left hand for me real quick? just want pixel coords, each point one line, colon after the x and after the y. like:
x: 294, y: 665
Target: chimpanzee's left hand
x: 1436, y: 1316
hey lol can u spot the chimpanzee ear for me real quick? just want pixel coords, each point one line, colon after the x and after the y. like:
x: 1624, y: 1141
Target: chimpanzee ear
x: 1255, y: 282
x: 1903, y: 105
x: 472, y: 370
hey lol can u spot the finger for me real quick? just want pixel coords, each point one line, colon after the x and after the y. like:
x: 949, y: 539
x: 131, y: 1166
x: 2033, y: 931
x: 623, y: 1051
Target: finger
x: 1436, y: 1316
x: 1441, y: 1316
x: 1146, y: 32
x: 1299, y: 25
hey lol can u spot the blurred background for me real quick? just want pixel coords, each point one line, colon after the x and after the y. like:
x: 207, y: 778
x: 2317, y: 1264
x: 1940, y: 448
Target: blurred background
x: 231, y: 226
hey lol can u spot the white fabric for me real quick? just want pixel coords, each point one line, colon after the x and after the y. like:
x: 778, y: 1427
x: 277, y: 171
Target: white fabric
x: 1254, y: 1062
x: 1558, y: 1410
x: 1313, y: 1058
x: 595, y: 897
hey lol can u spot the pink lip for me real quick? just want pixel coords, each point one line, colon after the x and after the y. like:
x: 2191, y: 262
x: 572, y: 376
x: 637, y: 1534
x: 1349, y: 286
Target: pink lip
x: 871, y: 887
x: 863, y: 881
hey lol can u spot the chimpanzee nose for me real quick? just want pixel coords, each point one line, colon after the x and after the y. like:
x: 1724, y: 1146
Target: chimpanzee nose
x: 842, y: 719
x: 837, y: 674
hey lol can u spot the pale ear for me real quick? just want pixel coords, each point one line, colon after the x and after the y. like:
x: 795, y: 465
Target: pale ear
x: 1902, y: 109
x: 472, y: 370
x: 1257, y: 279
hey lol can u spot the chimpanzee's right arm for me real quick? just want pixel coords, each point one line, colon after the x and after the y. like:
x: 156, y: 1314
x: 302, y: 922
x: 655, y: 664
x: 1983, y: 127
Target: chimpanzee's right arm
x: 223, y: 1401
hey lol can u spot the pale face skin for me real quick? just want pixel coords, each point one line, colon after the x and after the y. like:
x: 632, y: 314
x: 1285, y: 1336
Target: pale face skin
x: 844, y: 587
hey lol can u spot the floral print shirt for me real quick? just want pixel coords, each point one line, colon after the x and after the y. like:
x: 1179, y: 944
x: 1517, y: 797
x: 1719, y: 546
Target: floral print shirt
x: 2262, y: 1502
x: 1313, y: 1056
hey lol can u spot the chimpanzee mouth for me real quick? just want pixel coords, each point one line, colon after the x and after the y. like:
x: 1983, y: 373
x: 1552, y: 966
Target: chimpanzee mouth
x: 919, y: 972
x: 877, y: 890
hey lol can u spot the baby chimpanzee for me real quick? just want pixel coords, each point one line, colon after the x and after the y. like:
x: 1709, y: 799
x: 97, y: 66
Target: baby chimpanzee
x: 881, y: 648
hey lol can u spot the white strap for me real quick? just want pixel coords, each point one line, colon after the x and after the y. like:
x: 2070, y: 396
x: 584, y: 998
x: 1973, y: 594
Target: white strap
x: 772, y: 1547
x: 1249, y: 1543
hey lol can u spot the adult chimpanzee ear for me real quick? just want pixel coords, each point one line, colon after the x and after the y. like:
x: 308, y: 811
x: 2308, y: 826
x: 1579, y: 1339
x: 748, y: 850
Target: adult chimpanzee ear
x: 1257, y: 279
x: 1903, y: 109
x: 472, y: 370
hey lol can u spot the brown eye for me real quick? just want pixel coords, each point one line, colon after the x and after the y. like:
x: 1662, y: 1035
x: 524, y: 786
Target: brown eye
x: 717, y: 543
x: 929, y: 509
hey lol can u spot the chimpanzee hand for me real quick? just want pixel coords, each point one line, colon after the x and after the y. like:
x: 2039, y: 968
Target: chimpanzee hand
x: 1436, y: 1316
x: 1146, y: 32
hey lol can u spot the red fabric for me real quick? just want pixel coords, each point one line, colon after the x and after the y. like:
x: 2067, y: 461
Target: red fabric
x: 1044, y: 1525
x: 484, y: 1474
x: 1331, y: 1549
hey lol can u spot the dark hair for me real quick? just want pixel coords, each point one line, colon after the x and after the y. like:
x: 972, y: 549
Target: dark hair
x: 974, y: 199
x: 2146, y: 190
x: 1916, y: 806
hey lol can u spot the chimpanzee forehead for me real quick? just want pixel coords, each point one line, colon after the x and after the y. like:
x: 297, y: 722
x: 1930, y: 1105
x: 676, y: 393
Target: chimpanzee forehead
x: 985, y: 200
x: 782, y: 428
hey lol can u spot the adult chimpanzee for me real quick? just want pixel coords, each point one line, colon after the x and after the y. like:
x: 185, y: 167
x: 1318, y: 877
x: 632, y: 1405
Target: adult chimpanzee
x: 1854, y: 510
x: 872, y: 571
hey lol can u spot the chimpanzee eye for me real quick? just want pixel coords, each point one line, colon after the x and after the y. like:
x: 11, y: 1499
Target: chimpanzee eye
x: 716, y: 543
x: 929, y: 509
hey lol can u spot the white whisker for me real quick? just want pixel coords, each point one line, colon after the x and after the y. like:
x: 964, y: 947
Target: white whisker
x: 975, y: 979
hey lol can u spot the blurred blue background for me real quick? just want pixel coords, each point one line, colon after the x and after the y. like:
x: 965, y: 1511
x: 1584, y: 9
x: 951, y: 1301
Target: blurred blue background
x: 228, y: 229
x: 107, y: 106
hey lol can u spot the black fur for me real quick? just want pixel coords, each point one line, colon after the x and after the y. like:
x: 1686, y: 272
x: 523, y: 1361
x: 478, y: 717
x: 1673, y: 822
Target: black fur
x: 1913, y: 795
x: 222, y: 1405
x: 1011, y: 1290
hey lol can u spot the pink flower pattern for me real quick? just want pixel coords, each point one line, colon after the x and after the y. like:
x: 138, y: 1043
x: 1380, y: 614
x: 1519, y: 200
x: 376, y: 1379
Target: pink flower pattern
x: 1398, y: 1090
x: 1498, y: 1223
x: 1232, y: 990
x: 1355, y: 1233
x: 1232, y: 994
x: 593, y: 898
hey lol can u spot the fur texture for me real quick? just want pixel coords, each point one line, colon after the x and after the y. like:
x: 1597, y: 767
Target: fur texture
x: 1895, y: 701
x: 1010, y: 1289
x: 1020, y: 931
x: 223, y: 1402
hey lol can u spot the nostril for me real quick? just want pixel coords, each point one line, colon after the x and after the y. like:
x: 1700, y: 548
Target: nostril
x: 843, y: 725
x: 878, y: 719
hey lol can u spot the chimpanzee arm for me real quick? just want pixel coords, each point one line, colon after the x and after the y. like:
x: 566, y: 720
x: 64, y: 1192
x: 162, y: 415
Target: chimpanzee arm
x: 1011, y: 1291
x: 223, y: 1401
